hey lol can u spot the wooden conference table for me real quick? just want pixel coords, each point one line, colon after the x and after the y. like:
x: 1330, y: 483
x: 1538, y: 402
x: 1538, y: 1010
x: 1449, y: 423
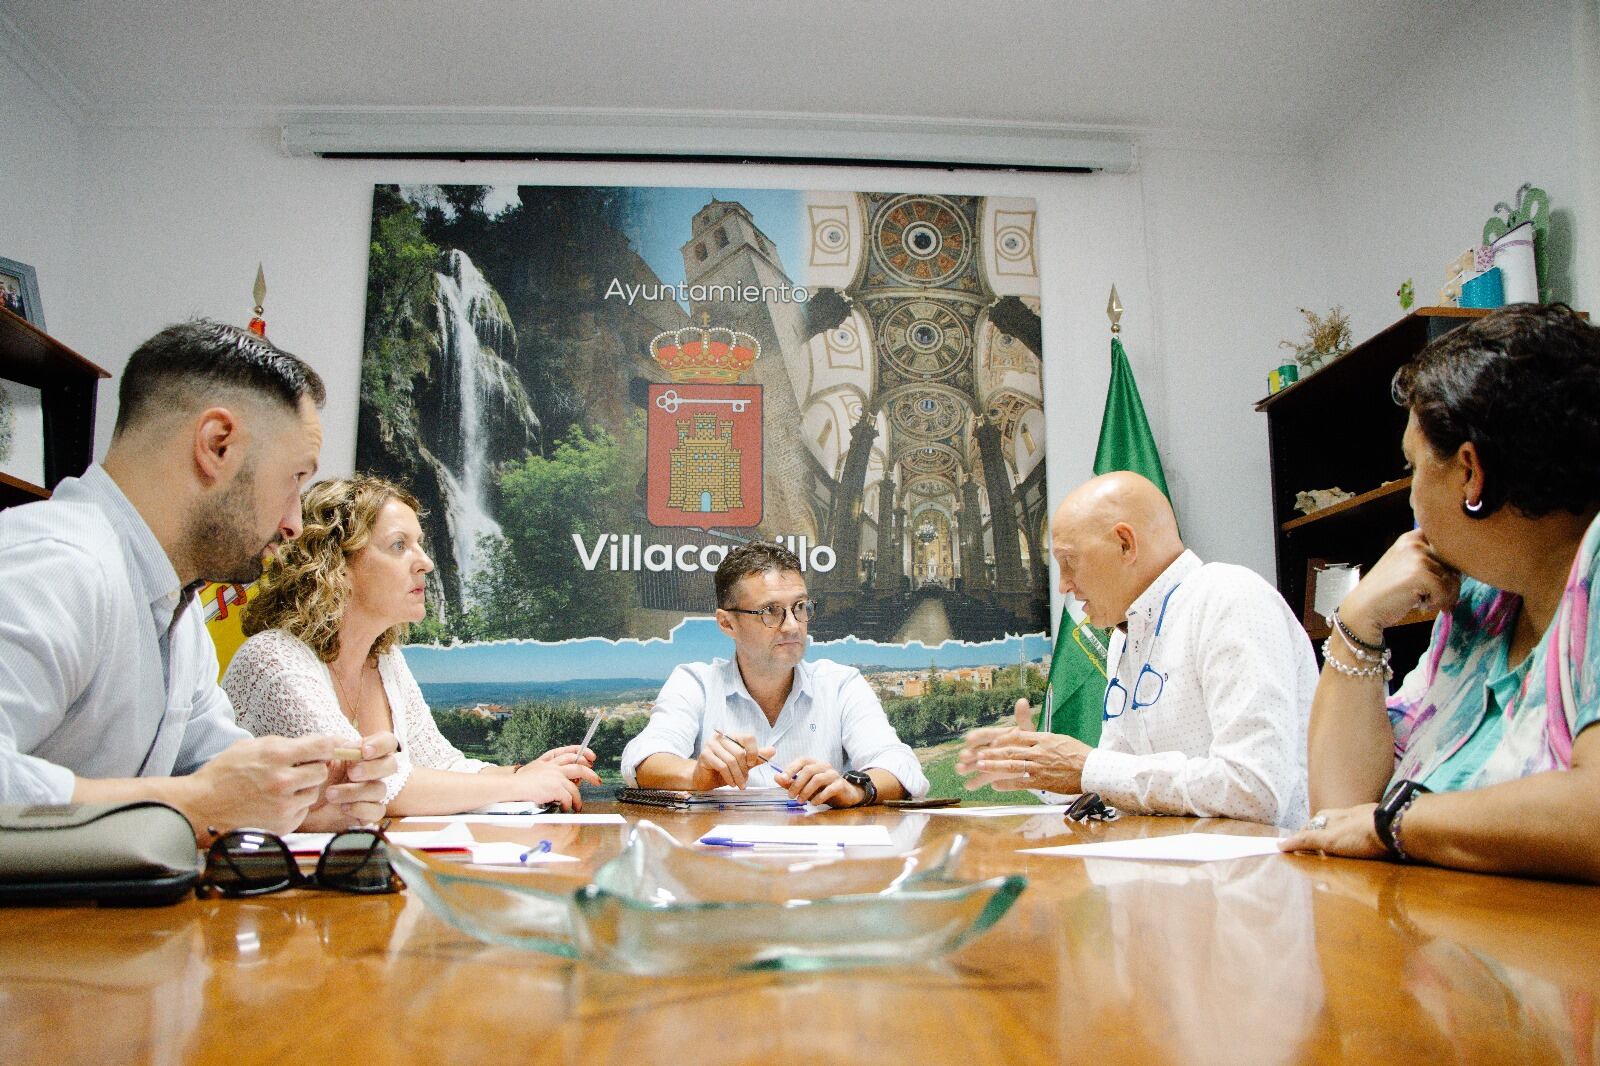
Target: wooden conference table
x: 1260, y: 960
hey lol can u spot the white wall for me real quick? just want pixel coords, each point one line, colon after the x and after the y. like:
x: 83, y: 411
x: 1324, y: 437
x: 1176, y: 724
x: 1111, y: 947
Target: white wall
x: 1408, y: 184
x: 1586, y: 148
x: 1228, y: 234
x: 40, y: 161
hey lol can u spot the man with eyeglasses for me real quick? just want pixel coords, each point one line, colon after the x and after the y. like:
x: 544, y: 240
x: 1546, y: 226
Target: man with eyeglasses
x: 767, y: 717
x: 1210, y: 674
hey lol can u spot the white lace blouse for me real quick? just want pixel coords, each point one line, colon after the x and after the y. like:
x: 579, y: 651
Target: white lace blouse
x: 280, y: 688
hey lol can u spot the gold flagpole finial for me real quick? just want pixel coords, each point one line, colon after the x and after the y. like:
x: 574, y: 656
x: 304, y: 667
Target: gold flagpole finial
x: 1114, y: 311
x: 258, y: 324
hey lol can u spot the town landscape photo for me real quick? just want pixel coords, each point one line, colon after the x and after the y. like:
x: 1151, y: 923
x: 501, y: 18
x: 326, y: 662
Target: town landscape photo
x: 931, y: 695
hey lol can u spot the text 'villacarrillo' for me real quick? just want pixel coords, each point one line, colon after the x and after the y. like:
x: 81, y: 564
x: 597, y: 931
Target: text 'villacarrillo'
x: 628, y: 551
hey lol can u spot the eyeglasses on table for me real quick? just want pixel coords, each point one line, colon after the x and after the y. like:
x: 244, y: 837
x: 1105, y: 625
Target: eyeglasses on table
x: 254, y: 862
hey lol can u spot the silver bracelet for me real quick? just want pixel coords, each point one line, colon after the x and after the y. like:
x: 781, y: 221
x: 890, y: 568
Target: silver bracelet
x: 1380, y: 669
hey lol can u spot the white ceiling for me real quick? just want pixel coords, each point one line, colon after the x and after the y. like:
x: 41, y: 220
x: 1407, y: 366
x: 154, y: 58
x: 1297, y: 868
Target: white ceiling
x: 1281, y: 72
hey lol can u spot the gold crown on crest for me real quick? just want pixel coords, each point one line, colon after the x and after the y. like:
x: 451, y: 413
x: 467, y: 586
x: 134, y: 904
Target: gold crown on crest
x: 693, y: 355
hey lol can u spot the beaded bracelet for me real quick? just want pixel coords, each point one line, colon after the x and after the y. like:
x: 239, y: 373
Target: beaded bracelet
x: 1350, y: 637
x: 1361, y: 655
x: 1380, y: 668
x: 1394, y: 829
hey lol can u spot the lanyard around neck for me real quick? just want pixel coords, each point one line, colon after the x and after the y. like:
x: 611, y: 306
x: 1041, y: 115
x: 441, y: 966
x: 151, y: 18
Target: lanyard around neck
x: 1150, y: 651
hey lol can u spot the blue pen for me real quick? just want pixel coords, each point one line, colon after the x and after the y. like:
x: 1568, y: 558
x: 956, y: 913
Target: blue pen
x: 786, y: 845
x: 541, y: 848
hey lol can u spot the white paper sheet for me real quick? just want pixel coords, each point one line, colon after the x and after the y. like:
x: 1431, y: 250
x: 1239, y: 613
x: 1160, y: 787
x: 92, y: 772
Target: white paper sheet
x: 849, y: 835
x: 451, y: 836
x: 1178, y: 847
x: 307, y: 843
x: 1018, y: 811
x: 448, y: 837
x: 515, y: 820
x: 510, y: 853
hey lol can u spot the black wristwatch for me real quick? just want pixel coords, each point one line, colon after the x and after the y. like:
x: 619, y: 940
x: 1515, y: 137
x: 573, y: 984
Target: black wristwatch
x: 1386, y: 816
x: 863, y: 780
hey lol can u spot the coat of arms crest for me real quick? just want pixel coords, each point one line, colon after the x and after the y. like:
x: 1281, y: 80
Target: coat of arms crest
x: 704, y: 465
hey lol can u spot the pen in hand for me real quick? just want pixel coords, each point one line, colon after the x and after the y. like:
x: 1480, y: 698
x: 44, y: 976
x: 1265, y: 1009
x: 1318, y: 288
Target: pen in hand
x: 747, y: 751
x: 588, y: 735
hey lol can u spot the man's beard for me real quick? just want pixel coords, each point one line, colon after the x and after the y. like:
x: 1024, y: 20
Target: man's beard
x: 221, y: 538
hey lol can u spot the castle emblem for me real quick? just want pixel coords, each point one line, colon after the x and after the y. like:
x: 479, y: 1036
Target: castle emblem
x: 704, y: 466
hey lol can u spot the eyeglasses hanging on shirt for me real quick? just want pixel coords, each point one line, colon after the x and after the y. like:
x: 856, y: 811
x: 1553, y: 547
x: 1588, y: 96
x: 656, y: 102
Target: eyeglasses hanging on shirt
x: 1148, y: 684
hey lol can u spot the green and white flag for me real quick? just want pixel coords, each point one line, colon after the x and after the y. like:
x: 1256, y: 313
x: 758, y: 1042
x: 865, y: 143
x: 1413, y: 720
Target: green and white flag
x: 1126, y: 442
x: 1075, y: 695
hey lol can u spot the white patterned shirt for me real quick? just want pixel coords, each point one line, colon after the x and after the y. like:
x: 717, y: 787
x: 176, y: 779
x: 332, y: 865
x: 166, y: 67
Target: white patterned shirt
x: 280, y: 688
x: 831, y: 714
x: 1227, y: 736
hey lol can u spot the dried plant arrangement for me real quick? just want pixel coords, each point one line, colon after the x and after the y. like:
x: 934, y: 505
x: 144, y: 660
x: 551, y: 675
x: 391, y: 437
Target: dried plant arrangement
x: 1327, y: 338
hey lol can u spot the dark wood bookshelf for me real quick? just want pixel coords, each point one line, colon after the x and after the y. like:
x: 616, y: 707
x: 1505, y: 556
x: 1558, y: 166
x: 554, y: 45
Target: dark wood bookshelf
x: 68, y: 387
x: 1340, y: 427
x: 14, y: 490
x: 1373, y: 496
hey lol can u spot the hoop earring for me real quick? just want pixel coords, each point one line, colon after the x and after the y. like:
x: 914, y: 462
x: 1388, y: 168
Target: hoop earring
x: 1473, y: 510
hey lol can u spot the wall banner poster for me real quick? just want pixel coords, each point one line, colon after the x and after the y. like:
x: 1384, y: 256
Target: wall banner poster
x: 597, y: 392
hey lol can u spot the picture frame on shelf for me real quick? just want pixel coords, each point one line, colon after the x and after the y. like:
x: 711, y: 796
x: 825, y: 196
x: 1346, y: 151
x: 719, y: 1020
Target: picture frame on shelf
x: 19, y: 291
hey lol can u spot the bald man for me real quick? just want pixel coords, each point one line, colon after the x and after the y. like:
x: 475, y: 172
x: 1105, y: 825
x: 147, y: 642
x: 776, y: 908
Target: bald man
x: 1210, y: 674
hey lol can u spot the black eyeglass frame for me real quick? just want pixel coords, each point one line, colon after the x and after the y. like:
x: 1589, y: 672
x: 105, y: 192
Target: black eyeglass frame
x: 293, y: 876
x: 810, y: 606
x: 1090, y: 807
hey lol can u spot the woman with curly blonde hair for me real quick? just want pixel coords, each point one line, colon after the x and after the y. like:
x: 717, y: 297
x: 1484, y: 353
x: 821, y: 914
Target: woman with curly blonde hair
x: 322, y: 654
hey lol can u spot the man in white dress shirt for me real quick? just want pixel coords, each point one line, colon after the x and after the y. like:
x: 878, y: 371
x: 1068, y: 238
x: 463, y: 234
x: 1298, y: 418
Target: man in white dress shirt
x: 1211, y: 674
x: 108, y: 678
x: 718, y: 723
